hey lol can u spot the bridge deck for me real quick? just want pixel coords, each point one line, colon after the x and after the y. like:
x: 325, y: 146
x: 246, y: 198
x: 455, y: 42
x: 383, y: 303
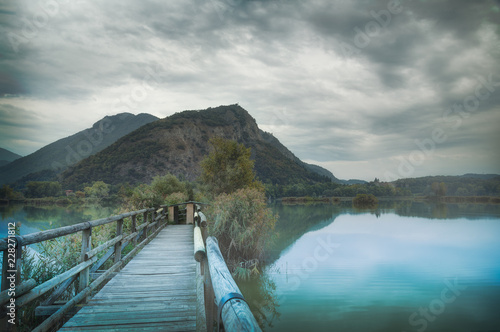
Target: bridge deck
x: 156, y: 291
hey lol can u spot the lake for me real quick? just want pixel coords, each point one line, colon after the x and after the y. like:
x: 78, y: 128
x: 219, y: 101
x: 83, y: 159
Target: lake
x: 405, y: 266
x: 40, y: 218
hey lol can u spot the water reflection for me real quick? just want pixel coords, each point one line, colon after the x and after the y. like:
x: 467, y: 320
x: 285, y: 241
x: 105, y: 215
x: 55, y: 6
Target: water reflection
x: 38, y: 218
x: 264, y: 303
x: 348, y: 269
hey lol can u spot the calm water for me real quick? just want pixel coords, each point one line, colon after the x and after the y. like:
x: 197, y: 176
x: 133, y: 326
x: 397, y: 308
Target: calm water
x: 39, y: 218
x: 404, y: 267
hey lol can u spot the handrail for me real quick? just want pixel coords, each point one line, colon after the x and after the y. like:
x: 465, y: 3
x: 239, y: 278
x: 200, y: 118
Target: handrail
x: 152, y: 219
x: 203, y: 219
x: 199, y: 246
x: 232, y: 308
x: 218, y: 285
x: 66, y: 230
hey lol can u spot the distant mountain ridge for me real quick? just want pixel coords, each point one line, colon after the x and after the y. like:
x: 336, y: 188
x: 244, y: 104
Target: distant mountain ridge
x: 7, y: 156
x: 178, y: 143
x: 268, y: 137
x: 67, y: 151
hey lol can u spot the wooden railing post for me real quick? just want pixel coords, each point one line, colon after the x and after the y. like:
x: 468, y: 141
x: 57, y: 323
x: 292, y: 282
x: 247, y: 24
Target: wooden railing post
x: 86, y: 247
x: 153, y: 219
x: 163, y: 214
x: 170, y: 213
x: 145, y: 231
x: 134, y: 229
x: 190, y: 213
x: 118, y: 245
x: 210, y: 307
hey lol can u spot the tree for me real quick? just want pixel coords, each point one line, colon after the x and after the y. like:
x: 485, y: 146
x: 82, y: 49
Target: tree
x: 365, y: 200
x: 38, y: 189
x: 166, y: 189
x: 228, y: 167
x: 439, y: 189
x: 99, y: 189
x: 167, y: 184
x: 6, y: 192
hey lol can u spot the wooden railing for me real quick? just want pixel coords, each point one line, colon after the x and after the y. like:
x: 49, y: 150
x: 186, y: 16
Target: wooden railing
x: 152, y: 222
x: 220, y: 302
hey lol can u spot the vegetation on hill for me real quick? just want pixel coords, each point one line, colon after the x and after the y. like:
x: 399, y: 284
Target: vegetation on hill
x: 39, y: 189
x: 177, y: 143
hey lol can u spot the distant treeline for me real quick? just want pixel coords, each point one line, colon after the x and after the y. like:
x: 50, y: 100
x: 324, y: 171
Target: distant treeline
x: 430, y: 186
x: 472, y: 185
x: 466, y: 185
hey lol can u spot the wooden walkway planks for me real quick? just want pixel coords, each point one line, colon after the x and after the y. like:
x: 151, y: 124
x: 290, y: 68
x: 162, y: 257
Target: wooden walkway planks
x: 156, y: 291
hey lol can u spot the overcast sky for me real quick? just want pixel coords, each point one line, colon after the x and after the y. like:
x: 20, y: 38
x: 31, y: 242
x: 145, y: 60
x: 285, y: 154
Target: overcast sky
x: 363, y: 88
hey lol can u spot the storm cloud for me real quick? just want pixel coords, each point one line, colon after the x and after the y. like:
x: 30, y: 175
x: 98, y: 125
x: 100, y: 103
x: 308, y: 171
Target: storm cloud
x: 363, y: 88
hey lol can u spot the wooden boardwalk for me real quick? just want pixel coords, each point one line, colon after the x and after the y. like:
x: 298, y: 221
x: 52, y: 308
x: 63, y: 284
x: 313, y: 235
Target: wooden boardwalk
x: 156, y: 291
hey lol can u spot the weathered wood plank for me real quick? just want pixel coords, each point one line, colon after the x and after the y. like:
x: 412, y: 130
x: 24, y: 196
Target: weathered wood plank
x: 172, y: 327
x: 104, y: 246
x: 49, y: 322
x: 20, y: 290
x: 48, y: 285
x: 48, y: 310
x: 155, y: 291
x: 201, y: 317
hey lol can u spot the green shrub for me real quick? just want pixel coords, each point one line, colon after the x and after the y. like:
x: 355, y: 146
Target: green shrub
x: 157, y: 193
x: 365, y: 200
x: 176, y: 198
x: 243, y: 225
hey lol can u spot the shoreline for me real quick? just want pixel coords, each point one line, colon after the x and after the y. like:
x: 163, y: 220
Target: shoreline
x: 427, y: 199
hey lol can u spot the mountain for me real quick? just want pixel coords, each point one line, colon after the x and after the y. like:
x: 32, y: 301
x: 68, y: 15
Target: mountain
x: 269, y: 138
x: 68, y: 151
x: 6, y: 156
x: 178, y: 143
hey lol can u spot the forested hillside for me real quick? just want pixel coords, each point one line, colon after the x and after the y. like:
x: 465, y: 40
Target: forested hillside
x: 65, y: 152
x: 178, y: 143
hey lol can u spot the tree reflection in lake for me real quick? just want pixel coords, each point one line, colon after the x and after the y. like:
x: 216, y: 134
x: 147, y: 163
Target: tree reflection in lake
x: 264, y: 300
x: 386, y: 265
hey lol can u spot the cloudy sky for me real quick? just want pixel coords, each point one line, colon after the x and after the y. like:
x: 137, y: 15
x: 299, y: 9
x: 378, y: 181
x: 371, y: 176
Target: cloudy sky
x: 364, y: 88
